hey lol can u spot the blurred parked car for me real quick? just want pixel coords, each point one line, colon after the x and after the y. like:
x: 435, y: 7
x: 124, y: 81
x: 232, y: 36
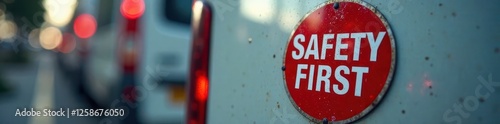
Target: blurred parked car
x: 164, y: 64
x: 137, y: 58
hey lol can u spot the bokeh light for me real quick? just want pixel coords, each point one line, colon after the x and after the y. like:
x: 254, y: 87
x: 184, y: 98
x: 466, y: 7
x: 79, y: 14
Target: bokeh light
x: 59, y: 12
x: 132, y: 9
x: 34, y: 38
x: 8, y: 29
x: 85, y: 26
x: 68, y: 43
x: 50, y: 38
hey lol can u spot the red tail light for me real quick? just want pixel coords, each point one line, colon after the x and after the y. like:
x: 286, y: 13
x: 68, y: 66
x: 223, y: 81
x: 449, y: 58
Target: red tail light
x: 85, y: 26
x: 130, y: 39
x: 68, y: 43
x: 202, y: 87
x: 199, y: 83
x: 132, y: 9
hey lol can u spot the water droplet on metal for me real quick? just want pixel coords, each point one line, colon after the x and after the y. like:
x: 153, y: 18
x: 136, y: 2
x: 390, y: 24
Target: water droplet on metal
x: 336, y: 5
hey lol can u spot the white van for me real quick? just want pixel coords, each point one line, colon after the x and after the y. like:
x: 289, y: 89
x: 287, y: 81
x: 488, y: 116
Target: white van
x: 161, y: 43
x: 164, y: 64
x: 443, y: 67
x: 158, y: 37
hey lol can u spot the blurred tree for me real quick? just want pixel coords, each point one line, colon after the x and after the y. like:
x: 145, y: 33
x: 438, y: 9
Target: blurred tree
x: 31, y: 10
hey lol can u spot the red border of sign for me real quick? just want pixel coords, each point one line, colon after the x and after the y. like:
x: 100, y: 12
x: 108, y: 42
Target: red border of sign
x: 389, y: 77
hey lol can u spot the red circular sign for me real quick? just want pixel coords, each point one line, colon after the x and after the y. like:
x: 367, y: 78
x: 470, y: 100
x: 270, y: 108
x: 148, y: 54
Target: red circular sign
x: 339, y: 61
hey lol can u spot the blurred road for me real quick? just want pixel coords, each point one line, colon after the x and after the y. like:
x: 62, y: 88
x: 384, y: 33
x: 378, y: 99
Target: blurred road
x: 39, y: 84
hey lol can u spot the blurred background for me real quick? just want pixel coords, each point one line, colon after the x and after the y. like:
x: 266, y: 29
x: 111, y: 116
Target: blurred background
x: 126, y: 54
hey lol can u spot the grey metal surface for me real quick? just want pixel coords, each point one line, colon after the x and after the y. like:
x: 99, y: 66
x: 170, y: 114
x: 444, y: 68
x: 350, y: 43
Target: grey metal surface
x: 444, y: 51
